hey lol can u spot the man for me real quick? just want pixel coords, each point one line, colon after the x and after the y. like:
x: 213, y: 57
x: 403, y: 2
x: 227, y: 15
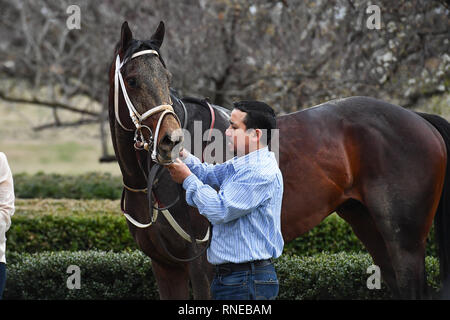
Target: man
x: 6, y: 211
x: 245, y: 212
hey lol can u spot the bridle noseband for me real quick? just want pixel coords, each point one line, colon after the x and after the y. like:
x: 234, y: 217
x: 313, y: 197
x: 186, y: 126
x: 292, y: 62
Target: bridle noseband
x: 136, y: 117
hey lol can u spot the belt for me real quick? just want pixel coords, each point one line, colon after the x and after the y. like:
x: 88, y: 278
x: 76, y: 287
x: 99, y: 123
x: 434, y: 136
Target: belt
x: 226, y: 268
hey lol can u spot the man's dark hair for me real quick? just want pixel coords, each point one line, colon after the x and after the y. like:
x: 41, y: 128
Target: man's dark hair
x: 259, y: 116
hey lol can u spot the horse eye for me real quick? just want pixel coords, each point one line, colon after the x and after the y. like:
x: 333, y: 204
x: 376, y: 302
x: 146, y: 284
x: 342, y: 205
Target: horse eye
x: 132, y: 82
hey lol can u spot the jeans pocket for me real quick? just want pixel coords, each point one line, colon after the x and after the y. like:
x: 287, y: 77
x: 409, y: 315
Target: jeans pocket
x: 231, y: 287
x: 266, y: 286
x: 234, y: 279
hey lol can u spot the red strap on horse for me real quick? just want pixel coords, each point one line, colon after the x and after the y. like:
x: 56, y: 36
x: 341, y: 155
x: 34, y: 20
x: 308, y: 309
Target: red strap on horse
x: 160, y: 205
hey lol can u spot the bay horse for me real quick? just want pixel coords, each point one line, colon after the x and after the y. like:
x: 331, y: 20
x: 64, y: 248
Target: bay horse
x: 384, y: 169
x: 144, y: 116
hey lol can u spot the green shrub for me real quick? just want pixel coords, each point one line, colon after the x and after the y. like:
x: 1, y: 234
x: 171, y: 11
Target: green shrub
x: 64, y: 224
x: 334, y: 235
x: 55, y: 225
x: 85, y: 186
x: 128, y: 275
x: 336, y: 276
x: 69, y: 233
x: 103, y: 275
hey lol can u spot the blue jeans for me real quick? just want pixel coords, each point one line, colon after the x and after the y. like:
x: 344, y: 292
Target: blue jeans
x: 2, y: 278
x: 260, y: 283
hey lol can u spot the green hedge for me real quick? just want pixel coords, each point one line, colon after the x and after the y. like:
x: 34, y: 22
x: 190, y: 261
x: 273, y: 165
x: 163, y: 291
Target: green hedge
x: 54, y: 225
x: 128, y: 275
x: 332, y: 235
x: 337, y: 276
x: 335, y: 235
x: 69, y: 233
x: 84, y: 186
x: 104, y: 275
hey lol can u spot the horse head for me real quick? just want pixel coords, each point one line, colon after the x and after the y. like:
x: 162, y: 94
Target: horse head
x: 142, y: 99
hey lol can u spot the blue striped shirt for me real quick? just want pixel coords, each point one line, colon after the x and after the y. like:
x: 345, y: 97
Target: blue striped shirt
x: 245, y: 212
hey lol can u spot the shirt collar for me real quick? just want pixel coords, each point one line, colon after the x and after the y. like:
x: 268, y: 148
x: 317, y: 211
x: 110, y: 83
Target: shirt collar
x: 250, y: 158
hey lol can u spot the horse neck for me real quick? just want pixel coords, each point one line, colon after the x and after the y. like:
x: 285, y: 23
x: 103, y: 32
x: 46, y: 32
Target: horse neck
x: 128, y: 161
x: 197, y: 112
x: 178, y: 109
x: 123, y: 144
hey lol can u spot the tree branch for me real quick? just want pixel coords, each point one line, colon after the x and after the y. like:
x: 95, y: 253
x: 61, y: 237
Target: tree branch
x: 48, y: 104
x: 65, y: 124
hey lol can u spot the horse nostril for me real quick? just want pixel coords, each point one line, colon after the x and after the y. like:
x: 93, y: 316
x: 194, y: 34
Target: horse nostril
x: 170, y: 141
x: 166, y: 140
x: 176, y: 139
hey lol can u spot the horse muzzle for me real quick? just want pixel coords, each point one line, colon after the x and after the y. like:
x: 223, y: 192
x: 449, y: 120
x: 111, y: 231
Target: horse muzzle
x: 168, y: 149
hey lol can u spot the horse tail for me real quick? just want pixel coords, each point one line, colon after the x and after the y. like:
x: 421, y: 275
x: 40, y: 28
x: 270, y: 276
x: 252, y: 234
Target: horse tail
x: 442, y: 217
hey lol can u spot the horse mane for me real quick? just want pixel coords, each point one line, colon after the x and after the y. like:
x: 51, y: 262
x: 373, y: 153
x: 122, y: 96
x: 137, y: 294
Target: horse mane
x: 195, y: 100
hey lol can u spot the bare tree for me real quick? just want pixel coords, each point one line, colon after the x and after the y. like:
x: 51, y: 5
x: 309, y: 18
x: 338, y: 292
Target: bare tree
x: 291, y: 54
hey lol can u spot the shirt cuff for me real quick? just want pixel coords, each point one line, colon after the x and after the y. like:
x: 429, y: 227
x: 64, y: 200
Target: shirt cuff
x: 186, y: 159
x: 189, y: 180
x: 190, y: 160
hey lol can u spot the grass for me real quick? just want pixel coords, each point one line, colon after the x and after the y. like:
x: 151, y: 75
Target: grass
x: 70, y: 157
x: 66, y: 207
x: 56, y: 150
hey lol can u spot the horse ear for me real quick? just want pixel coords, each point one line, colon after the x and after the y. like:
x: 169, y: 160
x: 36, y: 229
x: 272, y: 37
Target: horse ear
x: 125, y: 36
x: 158, y: 37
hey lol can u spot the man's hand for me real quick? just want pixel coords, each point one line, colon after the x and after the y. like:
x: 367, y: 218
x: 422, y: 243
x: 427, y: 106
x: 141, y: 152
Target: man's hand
x: 178, y: 171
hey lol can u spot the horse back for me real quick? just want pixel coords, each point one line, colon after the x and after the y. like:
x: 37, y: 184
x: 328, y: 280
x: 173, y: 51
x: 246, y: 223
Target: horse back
x: 355, y: 140
x: 363, y: 124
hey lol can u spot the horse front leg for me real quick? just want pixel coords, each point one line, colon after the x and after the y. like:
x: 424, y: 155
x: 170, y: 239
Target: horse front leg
x: 201, y: 273
x: 173, y: 281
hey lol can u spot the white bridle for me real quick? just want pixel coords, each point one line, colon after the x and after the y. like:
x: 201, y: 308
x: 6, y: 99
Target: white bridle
x: 137, y: 120
x: 134, y: 114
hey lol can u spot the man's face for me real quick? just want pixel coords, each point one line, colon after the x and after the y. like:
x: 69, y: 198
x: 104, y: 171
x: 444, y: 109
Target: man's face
x: 239, y: 140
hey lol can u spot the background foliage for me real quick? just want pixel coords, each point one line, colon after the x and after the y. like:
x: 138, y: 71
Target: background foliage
x: 127, y: 275
x: 291, y: 54
x: 49, y: 224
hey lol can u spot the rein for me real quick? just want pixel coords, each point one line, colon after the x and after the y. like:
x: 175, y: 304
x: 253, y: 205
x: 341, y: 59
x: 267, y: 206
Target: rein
x: 166, y: 215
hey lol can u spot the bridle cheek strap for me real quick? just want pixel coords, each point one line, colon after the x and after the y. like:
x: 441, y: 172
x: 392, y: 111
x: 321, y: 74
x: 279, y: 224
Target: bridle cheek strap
x: 117, y: 76
x: 134, y: 114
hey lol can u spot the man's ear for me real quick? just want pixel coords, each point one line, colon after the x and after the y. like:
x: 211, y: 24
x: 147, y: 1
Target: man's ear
x: 258, y: 133
x: 254, y: 133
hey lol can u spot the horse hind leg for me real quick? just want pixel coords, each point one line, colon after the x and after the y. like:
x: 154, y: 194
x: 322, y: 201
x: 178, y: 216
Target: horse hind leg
x: 404, y: 223
x: 358, y: 216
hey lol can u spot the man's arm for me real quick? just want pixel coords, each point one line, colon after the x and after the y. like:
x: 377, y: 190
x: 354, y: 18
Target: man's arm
x: 210, y: 174
x: 236, y: 199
